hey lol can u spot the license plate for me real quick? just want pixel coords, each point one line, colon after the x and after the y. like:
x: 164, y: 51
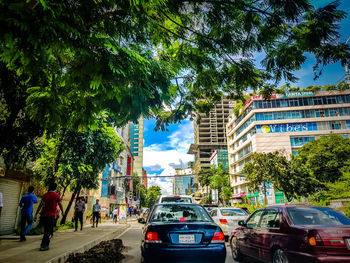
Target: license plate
x: 186, y: 239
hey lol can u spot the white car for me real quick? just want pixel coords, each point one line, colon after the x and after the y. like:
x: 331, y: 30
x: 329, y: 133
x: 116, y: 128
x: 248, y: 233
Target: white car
x: 227, y: 218
x: 175, y: 199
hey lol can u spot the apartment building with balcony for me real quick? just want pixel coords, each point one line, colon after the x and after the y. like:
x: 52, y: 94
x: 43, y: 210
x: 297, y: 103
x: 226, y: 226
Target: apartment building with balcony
x: 285, y: 122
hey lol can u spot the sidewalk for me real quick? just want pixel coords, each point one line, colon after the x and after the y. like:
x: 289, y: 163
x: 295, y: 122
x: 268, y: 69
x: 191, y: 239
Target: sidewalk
x: 62, y: 244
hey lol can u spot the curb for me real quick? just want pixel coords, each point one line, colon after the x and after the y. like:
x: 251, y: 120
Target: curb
x: 63, y: 257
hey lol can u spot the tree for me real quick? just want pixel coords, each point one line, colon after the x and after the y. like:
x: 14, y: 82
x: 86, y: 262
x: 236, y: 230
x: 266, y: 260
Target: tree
x: 204, y: 177
x: 339, y: 189
x: 74, y: 60
x: 221, y: 181
x: 83, y: 157
x: 139, y: 190
x: 284, y: 174
x: 324, y: 158
x: 152, y: 194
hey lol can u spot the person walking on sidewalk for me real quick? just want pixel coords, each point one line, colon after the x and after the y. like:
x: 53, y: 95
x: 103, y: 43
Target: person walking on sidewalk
x: 48, y: 204
x: 79, y: 213
x: 115, y: 215
x: 26, y: 205
x: 96, y: 210
x: 130, y: 211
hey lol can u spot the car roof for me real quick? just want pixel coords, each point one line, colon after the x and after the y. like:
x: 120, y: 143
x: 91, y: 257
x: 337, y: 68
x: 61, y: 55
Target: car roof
x: 177, y: 203
x: 176, y: 196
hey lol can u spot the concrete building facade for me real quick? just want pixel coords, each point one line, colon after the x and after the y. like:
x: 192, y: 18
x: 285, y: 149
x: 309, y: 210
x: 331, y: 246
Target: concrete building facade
x: 115, y: 180
x: 219, y: 156
x: 285, y: 122
x: 182, y: 185
x: 210, y: 135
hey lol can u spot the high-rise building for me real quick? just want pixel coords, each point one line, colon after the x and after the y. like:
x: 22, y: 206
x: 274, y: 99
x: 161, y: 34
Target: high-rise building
x: 182, y: 184
x: 219, y: 156
x: 210, y: 134
x: 136, y: 145
x: 284, y: 122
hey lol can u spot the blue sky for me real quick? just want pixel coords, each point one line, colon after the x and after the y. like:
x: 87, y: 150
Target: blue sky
x: 163, y: 151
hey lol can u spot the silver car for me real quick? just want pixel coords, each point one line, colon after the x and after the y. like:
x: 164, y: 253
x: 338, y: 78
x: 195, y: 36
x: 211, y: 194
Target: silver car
x: 227, y: 218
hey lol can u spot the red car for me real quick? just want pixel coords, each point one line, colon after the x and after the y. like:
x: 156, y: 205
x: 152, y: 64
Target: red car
x: 293, y: 233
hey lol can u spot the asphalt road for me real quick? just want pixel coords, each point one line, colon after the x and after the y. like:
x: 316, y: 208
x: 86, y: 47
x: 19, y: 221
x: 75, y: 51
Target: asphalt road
x: 132, y: 240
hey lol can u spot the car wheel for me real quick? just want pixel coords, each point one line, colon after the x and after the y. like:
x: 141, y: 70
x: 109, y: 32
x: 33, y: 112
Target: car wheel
x: 236, y: 254
x: 279, y: 257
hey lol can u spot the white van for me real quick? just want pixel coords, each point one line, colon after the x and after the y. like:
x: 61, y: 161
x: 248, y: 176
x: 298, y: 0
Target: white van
x: 175, y: 199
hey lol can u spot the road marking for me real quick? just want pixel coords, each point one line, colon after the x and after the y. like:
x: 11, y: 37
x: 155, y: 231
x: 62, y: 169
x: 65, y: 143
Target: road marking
x: 126, y: 230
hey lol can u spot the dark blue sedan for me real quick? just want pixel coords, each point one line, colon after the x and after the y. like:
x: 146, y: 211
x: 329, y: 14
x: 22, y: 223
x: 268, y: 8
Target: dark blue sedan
x: 182, y: 233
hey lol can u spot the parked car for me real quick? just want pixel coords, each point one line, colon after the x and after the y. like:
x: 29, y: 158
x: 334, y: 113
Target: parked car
x: 293, y: 233
x: 175, y: 199
x: 143, y: 215
x: 210, y: 207
x: 227, y: 218
x: 181, y: 233
x: 245, y: 209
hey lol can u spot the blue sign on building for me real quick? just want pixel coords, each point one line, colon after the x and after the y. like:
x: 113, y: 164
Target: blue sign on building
x: 117, y: 168
x: 104, y: 186
x: 286, y: 127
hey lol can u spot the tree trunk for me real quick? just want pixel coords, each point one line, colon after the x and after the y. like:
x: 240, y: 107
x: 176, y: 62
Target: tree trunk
x: 64, y: 216
x: 265, y: 195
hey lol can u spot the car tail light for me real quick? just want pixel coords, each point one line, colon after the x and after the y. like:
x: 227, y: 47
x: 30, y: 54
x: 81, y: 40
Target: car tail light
x: 152, y: 237
x: 182, y: 219
x: 223, y: 221
x: 218, y: 237
x: 314, y: 240
x: 333, y: 242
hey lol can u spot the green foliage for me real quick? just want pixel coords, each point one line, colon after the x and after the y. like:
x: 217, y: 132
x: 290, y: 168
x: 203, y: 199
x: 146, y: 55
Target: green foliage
x: 74, y: 159
x: 204, y: 176
x: 139, y: 190
x: 221, y: 181
x: 76, y: 59
x: 324, y: 158
x: 284, y: 174
x: 339, y: 189
x: 40, y: 230
x: 206, y: 200
x: 152, y: 194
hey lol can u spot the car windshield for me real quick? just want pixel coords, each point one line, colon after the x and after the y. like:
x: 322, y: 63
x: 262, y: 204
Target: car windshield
x: 209, y: 208
x: 176, y: 199
x: 316, y: 216
x: 179, y: 213
x: 232, y: 212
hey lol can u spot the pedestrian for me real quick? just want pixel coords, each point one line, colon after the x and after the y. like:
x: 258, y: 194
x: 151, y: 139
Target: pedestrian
x: 0, y: 203
x: 26, y: 205
x: 130, y: 211
x: 96, y: 210
x: 79, y: 212
x: 48, y: 204
x: 115, y: 215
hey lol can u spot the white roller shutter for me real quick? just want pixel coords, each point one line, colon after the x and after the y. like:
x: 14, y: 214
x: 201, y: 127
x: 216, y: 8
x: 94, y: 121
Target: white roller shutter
x: 10, y: 190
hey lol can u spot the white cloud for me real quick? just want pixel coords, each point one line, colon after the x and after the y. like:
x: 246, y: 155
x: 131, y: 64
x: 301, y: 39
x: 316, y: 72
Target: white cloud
x: 166, y: 184
x: 170, y: 154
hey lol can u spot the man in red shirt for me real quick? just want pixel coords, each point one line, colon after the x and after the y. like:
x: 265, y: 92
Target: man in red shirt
x: 48, y: 203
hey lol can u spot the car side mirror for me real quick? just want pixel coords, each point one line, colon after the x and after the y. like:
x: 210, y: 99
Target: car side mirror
x: 242, y: 223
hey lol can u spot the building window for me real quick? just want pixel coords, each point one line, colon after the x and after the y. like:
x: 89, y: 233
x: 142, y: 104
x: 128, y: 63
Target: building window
x: 334, y: 125
x: 300, y: 141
